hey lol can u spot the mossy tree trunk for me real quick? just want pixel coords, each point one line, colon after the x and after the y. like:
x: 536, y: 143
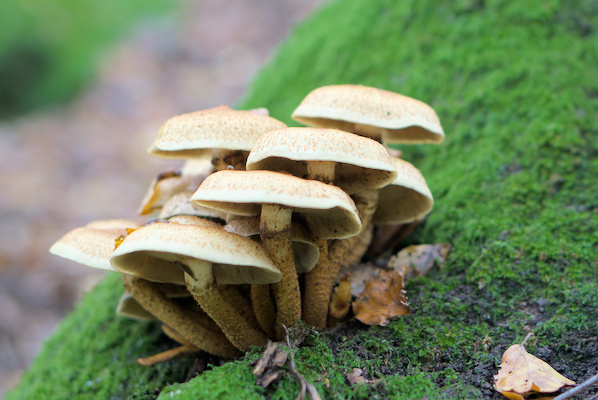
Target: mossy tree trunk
x: 514, y: 85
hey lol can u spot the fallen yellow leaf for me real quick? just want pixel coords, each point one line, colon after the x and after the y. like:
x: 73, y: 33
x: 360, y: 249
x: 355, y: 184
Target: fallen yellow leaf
x: 522, y: 373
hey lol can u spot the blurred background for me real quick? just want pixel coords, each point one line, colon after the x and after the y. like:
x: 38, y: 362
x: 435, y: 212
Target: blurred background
x: 84, y: 87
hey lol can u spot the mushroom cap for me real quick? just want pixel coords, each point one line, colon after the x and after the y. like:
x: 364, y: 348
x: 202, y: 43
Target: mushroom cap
x: 130, y: 308
x: 405, y: 200
x: 166, y: 185
x: 92, y: 245
x: 305, y: 249
x: 155, y: 252
x: 194, y: 220
x: 383, y: 115
x: 327, y: 211
x: 195, y: 134
x: 197, y: 166
x: 362, y: 163
x: 180, y: 204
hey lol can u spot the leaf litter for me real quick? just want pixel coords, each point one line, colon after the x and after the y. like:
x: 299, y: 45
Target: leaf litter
x: 522, y: 374
x: 375, y: 294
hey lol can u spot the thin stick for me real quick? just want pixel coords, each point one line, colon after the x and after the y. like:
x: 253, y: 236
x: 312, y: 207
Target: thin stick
x: 578, y: 389
x: 305, y: 385
x: 166, y: 356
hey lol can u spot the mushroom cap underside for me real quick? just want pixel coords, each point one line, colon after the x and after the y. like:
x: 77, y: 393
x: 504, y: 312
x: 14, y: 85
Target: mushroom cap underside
x: 360, y: 163
x: 157, y: 252
x: 326, y: 210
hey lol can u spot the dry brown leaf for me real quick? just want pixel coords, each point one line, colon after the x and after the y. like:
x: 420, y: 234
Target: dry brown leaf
x: 417, y: 260
x: 382, y: 299
x: 356, y: 376
x: 522, y: 373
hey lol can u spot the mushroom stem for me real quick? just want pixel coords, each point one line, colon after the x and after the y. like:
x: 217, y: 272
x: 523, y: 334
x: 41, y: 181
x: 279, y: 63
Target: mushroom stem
x: 316, y: 296
x: 317, y: 293
x: 202, y: 285
x: 275, y: 232
x: 264, y: 308
x: 229, y: 159
x: 173, y: 314
x: 342, y: 250
x: 323, y: 171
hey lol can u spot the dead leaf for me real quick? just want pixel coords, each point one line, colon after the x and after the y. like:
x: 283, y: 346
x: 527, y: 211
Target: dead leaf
x: 356, y: 376
x: 382, y: 298
x: 417, y: 260
x: 522, y: 374
x: 267, y: 368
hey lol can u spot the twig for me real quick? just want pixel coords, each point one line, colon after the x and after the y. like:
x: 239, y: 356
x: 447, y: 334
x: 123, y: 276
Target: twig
x: 305, y: 385
x: 166, y: 356
x: 578, y: 389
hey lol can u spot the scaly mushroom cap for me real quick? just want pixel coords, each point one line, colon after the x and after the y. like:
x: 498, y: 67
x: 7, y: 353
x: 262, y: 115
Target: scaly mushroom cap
x: 305, y: 248
x: 380, y: 114
x: 327, y: 210
x: 92, y: 245
x: 361, y: 163
x: 194, y: 135
x: 154, y: 252
x: 166, y: 185
x: 407, y: 199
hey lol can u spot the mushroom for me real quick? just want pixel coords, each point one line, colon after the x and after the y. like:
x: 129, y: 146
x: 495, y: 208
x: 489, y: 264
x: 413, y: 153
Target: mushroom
x: 209, y: 257
x: 92, y: 244
x: 166, y: 185
x: 305, y: 254
x: 386, y: 116
x: 187, y: 322
x: 352, y: 162
x: 219, y: 133
x: 130, y: 308
x: 406, y: 199
x: 327, y: 211
x: 180, y: 204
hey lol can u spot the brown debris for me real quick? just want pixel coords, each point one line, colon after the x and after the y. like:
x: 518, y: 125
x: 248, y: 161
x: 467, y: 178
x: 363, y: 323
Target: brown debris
x: 382, y: 299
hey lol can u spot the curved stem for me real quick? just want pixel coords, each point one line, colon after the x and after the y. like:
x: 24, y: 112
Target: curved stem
x: 275, y: 232
x: 229, y: 159
x: 224, y: 312
x: 343, y: 250
x: 316, y: 296
x: 264, y: 308
x: 185, y: 321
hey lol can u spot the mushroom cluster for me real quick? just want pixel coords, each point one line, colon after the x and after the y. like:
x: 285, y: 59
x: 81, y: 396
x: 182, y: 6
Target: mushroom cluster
x: 251, y: 235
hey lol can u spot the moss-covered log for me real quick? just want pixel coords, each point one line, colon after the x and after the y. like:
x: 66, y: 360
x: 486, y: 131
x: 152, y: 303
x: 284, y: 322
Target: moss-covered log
x: 515, y: 85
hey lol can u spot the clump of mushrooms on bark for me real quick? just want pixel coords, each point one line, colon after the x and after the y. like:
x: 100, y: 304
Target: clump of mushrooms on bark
x: 250, y: 236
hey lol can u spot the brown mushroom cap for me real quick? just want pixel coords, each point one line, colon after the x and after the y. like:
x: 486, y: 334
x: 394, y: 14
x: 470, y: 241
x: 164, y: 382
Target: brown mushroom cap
x: 195, y: 134
x: 407, y: 199
x: 360, y: 163
x: 383, y: 115
x: 92, y: 245
x: 327, y: 210
x: 154, y: 252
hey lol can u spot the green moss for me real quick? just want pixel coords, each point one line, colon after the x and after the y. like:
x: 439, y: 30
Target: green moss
x: 514, y: 187
x: 92, y: 355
